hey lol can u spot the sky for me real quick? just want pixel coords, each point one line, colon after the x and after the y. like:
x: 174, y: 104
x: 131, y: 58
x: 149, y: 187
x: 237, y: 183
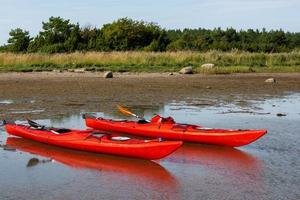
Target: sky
x: 170, y: 14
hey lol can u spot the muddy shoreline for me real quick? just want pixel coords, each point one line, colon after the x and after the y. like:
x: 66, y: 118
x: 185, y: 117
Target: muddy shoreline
x: 44, y: 94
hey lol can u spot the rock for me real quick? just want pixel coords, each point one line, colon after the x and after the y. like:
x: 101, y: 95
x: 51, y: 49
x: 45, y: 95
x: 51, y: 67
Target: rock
x: 270, y: 80
x: 108, y: 74
x: 32, y: 162
x: 208, y: 65
x: 70, y: 70
x: 170, y: 74
x: 280, y: 114
x: 208, y: 87
x: 186, y: 70
x: 80, y: 70
x: 57, y: 70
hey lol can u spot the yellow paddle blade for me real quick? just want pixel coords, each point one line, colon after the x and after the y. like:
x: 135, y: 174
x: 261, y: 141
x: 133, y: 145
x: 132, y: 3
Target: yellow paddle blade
x: 125, y: 111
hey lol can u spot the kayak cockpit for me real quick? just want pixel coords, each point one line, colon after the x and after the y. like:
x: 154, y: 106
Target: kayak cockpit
x: 60, y: 131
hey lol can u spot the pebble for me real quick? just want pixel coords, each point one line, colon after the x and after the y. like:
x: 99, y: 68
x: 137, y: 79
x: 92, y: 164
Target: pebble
x: 281, y: 114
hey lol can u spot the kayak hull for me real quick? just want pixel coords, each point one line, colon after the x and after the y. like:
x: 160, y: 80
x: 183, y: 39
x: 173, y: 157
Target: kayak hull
x: 85, y: 141
x: 182, y: 132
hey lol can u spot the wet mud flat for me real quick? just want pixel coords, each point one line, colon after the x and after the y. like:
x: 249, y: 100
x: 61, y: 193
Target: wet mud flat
x: 48, y: 94
x: 266, y: 169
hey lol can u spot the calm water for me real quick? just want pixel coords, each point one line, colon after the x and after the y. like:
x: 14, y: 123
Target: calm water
x: 266, y: 169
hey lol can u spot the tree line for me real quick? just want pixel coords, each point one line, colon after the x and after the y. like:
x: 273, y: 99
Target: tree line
x: 59, y: 35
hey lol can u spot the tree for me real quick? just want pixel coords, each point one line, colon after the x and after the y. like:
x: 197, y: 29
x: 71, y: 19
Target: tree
x: 127, y: 34
x: 58, y: 35
x: 56, y: 30
x: 88, y: 38
x: 72, y: 42
x: 18, y: 41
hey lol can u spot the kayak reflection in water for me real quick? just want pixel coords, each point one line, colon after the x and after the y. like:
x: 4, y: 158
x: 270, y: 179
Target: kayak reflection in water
x: 211, y: 155
x: 147, y: 172
x: 233, y: 165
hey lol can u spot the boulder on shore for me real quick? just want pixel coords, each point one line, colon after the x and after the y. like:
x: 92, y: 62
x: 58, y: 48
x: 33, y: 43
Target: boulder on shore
x: 108, y: 74
x: 57, y: 71
x: 186, y: 70
x: 208, y: 65
x: 80, y: 70
x: 270, y: 80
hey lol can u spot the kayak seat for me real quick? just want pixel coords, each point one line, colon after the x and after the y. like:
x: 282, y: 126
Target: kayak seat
x: 62, y: 130
x: 118, y: 120
x: 167, y: 120
x: 164, y: 120
x: 119, y: 138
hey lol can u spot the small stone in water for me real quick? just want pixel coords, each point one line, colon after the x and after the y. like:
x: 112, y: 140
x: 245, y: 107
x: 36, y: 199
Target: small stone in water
x: 280, y: 114
x: 33, y: 162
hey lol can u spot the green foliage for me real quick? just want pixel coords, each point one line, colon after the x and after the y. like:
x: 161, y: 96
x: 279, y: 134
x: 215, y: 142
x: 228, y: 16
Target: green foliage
x: 53, y: 48
x: 88, y: 39
x: 126, y: 34
x: 71, y: 43
x: 4, y: 48
x: 56, y: 30
x: 230, y: 39
x: 60, y: 35
x: 18, y: 41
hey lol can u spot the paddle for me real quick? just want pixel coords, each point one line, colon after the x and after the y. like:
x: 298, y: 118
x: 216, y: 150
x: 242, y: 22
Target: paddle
x: 38, y: 126
x: 128, y: 112
x: 35, y: 125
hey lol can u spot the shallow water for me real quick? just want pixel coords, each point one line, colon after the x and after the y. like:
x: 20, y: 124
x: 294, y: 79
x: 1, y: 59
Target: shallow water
x: 266, y: 169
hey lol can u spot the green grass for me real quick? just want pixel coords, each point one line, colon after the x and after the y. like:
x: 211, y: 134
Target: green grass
x: 226, y: 62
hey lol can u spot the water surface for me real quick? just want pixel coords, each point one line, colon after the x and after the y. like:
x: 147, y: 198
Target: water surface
x: 266, y: 169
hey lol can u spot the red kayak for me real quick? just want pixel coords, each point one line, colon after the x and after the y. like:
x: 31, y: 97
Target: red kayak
x: 167, y: 128
x: 99, y: 142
